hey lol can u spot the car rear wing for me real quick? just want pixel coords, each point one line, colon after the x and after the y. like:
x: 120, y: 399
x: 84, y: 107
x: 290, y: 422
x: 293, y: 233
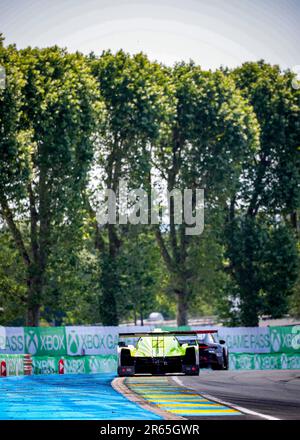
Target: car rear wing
x: 171, y: 333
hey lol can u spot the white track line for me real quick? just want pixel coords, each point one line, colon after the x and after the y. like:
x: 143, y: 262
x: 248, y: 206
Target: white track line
x: 238, y: 408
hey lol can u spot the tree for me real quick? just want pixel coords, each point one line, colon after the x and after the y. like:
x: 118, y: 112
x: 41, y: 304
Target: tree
x: 136, y: 106
x: 12, y: 282
x: 140, y: 273
x: 267, y: 194
x: 47, y: 118
x: 212, y: 133
x: 208, y: 283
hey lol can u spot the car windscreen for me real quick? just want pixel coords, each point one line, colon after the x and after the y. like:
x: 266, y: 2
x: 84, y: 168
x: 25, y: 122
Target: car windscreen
x: 208, y: 338
x: 187, y: 339
x: 157, y: 345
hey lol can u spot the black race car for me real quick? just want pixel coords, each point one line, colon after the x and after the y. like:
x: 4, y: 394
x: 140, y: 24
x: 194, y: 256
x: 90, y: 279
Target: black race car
x: 213, y: 351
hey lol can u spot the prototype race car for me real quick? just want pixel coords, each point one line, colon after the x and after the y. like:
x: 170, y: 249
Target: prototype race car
x: 158, y: 352
x: 213, y: 352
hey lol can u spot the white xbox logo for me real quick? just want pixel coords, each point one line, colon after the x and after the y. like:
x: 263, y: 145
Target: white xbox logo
x: 275, y: 340
x: 32, y: 342
x: 94, y: 364
x: 296, y: 337
x: 284, y: 362
x: 257, y: 363
x: 73, y: 342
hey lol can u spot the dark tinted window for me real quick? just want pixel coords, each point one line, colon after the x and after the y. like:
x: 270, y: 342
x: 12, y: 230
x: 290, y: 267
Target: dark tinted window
x: 210, y: 339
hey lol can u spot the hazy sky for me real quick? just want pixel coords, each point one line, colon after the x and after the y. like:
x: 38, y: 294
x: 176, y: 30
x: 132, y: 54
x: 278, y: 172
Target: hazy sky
x: 211, y: 32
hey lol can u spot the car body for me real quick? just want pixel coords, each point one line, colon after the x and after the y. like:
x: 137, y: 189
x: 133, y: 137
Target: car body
x: 213, y: 352
x: 159, y: 353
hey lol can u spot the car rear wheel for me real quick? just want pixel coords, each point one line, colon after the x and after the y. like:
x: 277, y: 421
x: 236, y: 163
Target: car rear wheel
x: 225, y: 361
x: 189, y: 365
x: 126, y: 366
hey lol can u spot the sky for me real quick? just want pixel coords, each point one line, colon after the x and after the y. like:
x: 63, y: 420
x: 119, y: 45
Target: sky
x: 210, y: 32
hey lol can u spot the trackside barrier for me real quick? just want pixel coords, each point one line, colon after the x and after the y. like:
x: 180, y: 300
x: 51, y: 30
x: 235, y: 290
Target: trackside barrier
x: 27, y: 365
x: 264, y: 361
x: 74, y: 364
x: 61, y: 366
x: 3, y: 368
x: 93, y: 349
x: 11, y: 365
x: 101, y: 340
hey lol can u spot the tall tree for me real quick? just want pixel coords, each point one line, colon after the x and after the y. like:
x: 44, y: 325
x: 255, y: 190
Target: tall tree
x: 212, y: 133
x: 136, y: 106
x: 47, y: 115
x: 268, y: 192
x: 141, y: 273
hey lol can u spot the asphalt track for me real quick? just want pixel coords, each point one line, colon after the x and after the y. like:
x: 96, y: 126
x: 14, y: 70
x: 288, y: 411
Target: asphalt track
x: 274, y: 393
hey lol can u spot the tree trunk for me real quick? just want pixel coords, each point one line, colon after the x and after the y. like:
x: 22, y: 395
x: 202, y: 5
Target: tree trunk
x: 249, y: 316
x: 249, y: 304
x: 182, y: 308
x: 33, y: 316
x: 110, y: 286
x: 35, y: 285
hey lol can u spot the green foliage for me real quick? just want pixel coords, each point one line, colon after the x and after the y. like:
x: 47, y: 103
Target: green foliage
x: 12, y: 283
x: 212, y: 133
x: 264, y: 265
x: 257, y: 236
x: 47, y: 120
x: 140, y: 274
x: 235, y: 134
x: 275, y: 170
x: 136, y: 110
x: 206, y: 264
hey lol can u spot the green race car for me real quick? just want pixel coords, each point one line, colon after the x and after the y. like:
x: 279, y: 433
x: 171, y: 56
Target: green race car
x: 158, y: 352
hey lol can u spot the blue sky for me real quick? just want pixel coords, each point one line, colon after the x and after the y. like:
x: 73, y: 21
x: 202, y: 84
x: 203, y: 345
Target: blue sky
x: 211, y: 32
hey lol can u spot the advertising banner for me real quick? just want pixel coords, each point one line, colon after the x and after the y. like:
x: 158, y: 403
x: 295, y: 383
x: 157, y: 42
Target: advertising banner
x: 75, y: 364
x: 243, y: 339
x: 95, y: 339
x: 93, y: 349
x: 91, y: 340
x: 45, y: 364
x: 101, y: 364
x: 42, y: 341
x: 12, y: 340
x: 246, y: 339
x: 270, y: 361
x: 285, y: 339
x: 14, y: 364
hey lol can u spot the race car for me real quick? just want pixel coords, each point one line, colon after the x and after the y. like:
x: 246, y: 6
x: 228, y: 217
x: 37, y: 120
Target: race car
x: 213, y: 352
x: 158, y: 353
